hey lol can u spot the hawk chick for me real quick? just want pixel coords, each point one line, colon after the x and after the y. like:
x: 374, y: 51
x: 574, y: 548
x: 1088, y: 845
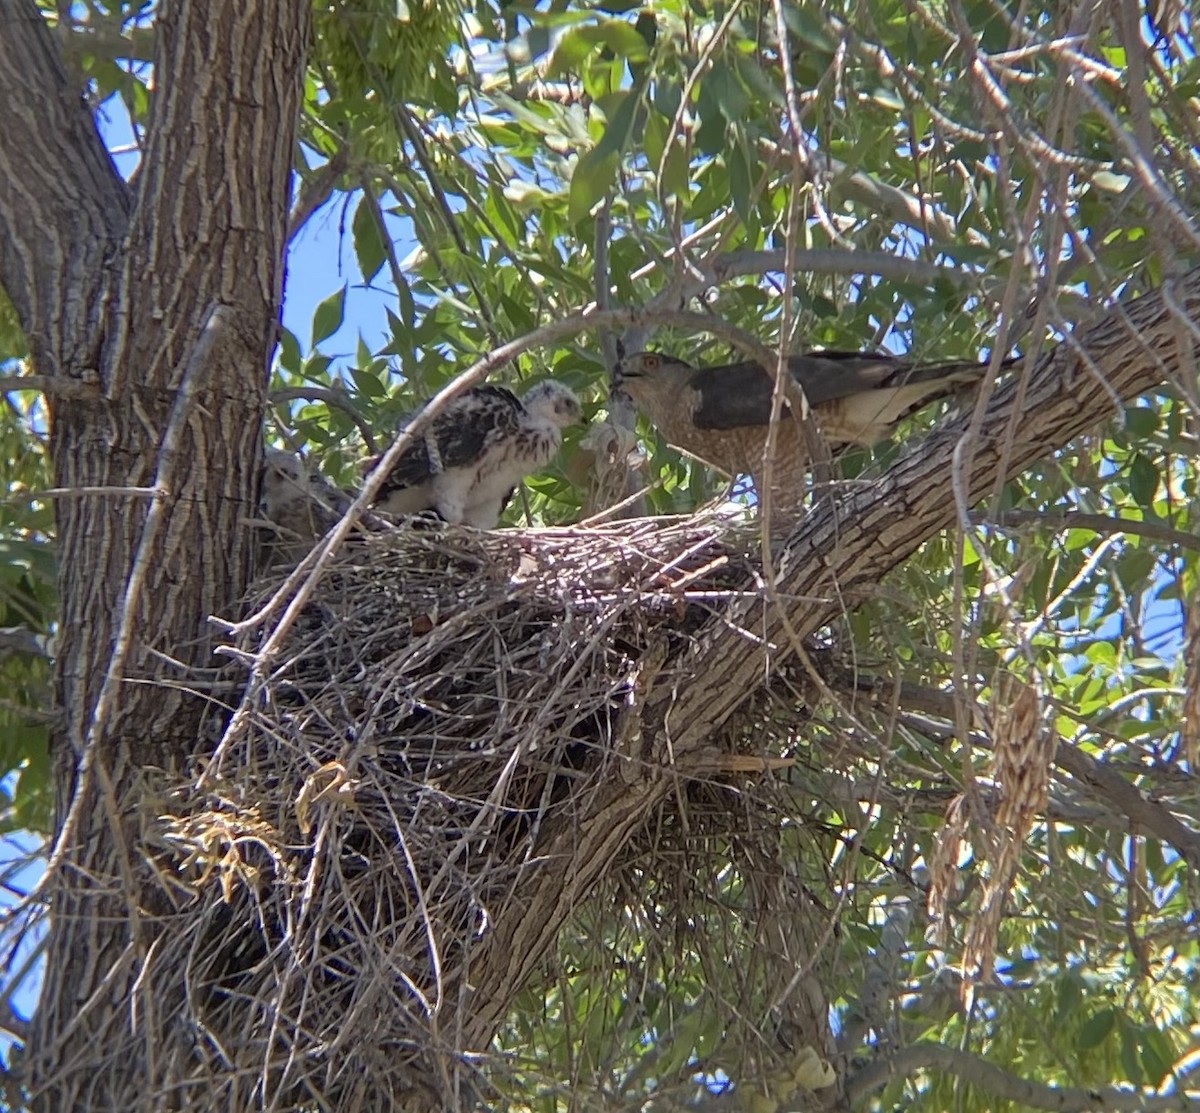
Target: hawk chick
x: 470, y: 459
x: 300, y: 506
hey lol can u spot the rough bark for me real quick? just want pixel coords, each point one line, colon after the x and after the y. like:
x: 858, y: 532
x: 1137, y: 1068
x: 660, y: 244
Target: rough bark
x: 164, y: 298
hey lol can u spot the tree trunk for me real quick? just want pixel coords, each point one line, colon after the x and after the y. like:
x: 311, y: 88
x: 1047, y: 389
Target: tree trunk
x: 162, y: 300
x: 156, y: 306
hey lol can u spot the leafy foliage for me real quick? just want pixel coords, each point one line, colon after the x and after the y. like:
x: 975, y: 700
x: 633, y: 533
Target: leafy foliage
x: 946, y: 188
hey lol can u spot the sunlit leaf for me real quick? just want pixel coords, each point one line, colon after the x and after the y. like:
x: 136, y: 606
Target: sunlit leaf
x: 328, y: 316
x: 592, y: 178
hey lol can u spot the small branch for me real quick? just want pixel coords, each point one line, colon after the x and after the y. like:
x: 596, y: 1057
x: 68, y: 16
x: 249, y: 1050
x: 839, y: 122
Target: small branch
x: 1097, y: 523
x: 1003, y: 1084
x: 331, y: 397
x: 82, y: 492
x: 314, y: 192
x: 389, y: 248
x: 1099, y: 779
x: 551, y: 92
x: 895, y: 268
x: 12, y: 1024
x: 20, y: 639
x: 1128, y: 799
x: 621, y: 412
x: 1145, y: 172
x: 54, y: 386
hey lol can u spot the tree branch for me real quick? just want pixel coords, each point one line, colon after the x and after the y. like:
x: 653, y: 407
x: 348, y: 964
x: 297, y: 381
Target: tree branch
x: 52, y: 386
x: 331, y: 396
x: 847, y: 543
x: 854, y: 539
x: 315, y: 190
x: 832, y: 260
x: 63, y: 206
x: 1128, y: 799
x: 1099, y: 779
x: 1003, y: 1084
x: 1097, y: 523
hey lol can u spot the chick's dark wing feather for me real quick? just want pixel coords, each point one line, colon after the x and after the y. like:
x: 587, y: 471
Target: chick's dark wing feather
x: 459, y: 435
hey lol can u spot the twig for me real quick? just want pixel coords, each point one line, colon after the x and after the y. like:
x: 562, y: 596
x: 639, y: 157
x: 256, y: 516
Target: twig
x: 331, y: 397
x: 1004, y: 1084
x: 1097, y: 523
x: 1145, y: 171
x: 80, y: 492
x: 53, y: 386
x: 317, y: 190
x: 20, y: 639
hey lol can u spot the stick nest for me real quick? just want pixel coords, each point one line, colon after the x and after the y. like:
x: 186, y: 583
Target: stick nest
x: 445, y: 696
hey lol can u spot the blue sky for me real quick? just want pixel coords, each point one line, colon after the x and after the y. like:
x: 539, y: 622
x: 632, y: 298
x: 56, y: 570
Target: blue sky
x: 319, y: 260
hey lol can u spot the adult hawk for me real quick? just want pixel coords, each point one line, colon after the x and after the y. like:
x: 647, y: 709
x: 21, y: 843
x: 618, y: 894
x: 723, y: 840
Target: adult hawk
x: 300, y: 506
x: 720, y: 415
x: 476, y: 451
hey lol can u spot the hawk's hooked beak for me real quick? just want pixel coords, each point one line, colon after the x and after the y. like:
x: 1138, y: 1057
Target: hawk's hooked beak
x: 626, y: 371
x: 620, y: 377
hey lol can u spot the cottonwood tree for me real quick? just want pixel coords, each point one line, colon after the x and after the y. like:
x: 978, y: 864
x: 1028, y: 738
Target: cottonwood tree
x: 640, y: 813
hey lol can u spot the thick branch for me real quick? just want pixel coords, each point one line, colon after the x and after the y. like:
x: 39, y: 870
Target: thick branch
x: 1127, y: 798
x: 847, y: 543
x: 220, y: 105
x: 1098, y: 779
x: 855, y: 539
x: 138, y: 580
x: 1002, y: 1084
x: 63, y: 206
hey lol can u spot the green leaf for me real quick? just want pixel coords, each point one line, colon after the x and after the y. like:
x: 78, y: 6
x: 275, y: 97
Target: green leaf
x: 33, y: 795
x: 622, y: 38
x: 368, y: 383
x: 710, y: 135
x: 1131, y: 1058
x: 289, y: 352
x: 1102, y: 653
x: 328, y: 316
x: 727, y: 91
x: 676, y: 171
x: 1070, y: 996
x: 741, y: 179
x: 369, y: 246
x: 1141, y: 421
x: 1096, y: 1029
x: 408, y: 310
x: 316, y: 368
x: 1158, y: 1056
x: 592, y: 178
x: 619, y: 110
x: 1143, y: 481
